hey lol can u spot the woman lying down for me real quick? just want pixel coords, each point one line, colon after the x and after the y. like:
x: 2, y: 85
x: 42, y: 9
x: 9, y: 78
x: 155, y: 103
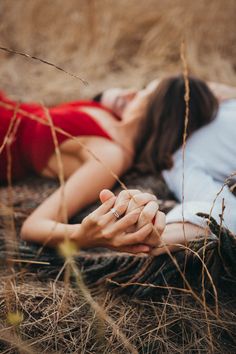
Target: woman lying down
x: 127, y: 126
x: 131, y: 221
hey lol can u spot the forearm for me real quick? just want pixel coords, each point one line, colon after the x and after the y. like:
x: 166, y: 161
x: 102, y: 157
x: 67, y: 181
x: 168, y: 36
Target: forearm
x: 49, y: 232
x: 47, y: 225
x: 176, y: 236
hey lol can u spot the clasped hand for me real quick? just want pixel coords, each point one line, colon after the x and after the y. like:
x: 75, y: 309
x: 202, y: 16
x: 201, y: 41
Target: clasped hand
x: 138, y: 229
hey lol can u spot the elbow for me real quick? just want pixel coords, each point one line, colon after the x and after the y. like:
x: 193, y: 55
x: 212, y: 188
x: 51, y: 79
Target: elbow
x: 26, y: 231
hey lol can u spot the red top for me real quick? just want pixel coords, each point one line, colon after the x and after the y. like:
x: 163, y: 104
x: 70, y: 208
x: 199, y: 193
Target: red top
x: 33, y: 145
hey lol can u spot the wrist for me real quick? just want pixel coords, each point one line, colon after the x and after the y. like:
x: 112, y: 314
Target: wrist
x: 77, y: 236
x: 177, y: 234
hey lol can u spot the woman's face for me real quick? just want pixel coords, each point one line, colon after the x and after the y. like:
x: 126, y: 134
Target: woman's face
x: 117, y: 99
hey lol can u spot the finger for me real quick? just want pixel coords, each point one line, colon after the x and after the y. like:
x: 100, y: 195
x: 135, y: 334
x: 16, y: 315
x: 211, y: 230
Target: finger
x: 104, y: 208
x: 133, y: 238
x: 127, y: 194
x: 155, y: 238
x: 105, y: 194
x: 135, y: 249
x: 92, y: 221
x: 123, y: 199
x: 160, y: 222
x: 122, y: 225
x: 140, y: 200
x: 108, y: 218
x: 147, y: 214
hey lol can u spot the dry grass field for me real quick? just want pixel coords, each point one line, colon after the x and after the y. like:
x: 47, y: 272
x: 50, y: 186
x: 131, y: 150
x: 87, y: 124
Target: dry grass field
x: 107, y: 43
x: 112, y: 43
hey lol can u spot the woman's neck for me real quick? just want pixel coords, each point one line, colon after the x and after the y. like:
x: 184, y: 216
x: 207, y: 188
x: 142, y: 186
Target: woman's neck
x: 128, y: 131
x: 133, y: 115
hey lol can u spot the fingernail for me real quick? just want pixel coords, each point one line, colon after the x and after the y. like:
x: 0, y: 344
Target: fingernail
x: 111, y: 200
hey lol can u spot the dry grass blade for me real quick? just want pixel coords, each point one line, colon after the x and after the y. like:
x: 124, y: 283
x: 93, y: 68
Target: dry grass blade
x: 150, y: 285
x: 227, y: 180
x: 12, y: 51
x: 10, y: 242
x: 28, y: 261
x: 9, y: 131
x: 62, y: 212
x: 186, y: 120
x: 16, y: 342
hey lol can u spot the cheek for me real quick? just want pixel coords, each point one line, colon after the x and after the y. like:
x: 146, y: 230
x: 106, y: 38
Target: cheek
x: 109, y: 97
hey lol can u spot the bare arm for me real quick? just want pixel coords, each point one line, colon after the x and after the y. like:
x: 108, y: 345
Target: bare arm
x: 47, y: 225
x: 178, y: 234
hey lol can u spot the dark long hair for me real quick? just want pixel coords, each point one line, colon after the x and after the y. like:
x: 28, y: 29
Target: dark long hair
x: 161, y: 131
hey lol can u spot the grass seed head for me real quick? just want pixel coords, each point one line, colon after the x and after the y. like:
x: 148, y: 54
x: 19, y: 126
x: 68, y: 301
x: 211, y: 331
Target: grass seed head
x: 68, y: 249
x: 15, y: 318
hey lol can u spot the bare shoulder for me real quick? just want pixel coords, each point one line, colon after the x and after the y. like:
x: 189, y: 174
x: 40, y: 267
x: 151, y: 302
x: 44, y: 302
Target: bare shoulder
x: 106, y: 151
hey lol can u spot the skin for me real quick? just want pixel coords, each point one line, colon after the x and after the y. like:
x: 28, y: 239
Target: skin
x: 117, y: 99
x: 130, y: 233
x: 163, y: 238
x: 134, y: 231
